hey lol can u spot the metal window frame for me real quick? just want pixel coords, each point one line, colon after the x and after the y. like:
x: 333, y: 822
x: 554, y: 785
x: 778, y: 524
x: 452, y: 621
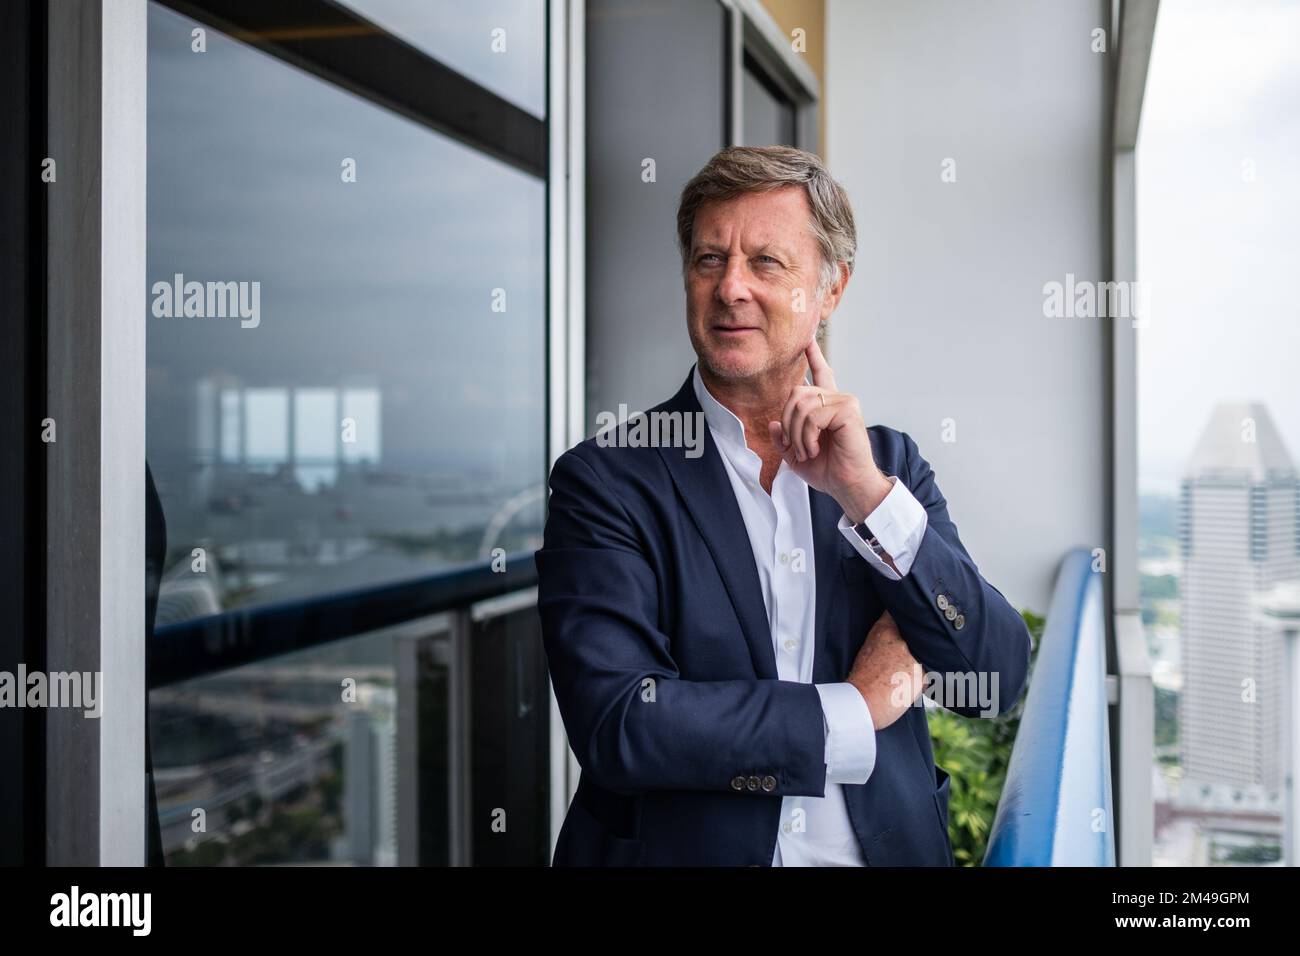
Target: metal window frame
x: 95, y: 504
x: 447, y: 636
x: 566, y: 316
x: 753, y: 31
x: 1133, y: 32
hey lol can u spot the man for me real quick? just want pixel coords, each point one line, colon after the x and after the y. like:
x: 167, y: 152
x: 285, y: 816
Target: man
x: 736, y: 637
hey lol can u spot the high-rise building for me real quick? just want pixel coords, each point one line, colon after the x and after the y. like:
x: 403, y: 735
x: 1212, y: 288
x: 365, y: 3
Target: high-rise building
x: 1239, y: 537
x: 370, y: 786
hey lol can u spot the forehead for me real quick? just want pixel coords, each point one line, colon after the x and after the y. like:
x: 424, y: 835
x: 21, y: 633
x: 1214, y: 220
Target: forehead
x: 780, y: 216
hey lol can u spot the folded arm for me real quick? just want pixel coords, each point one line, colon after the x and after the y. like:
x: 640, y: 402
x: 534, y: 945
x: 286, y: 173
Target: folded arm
x: 956, y: 623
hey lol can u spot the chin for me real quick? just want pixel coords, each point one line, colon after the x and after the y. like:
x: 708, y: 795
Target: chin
x: 732, y: 364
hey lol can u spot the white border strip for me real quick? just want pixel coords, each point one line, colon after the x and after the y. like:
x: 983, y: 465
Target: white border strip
x: 566, y: 341
x: 124, y: 46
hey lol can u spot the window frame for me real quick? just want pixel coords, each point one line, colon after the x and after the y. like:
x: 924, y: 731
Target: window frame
x: 1132, y: 724
x: 95, y: 514
x: 755, y: 34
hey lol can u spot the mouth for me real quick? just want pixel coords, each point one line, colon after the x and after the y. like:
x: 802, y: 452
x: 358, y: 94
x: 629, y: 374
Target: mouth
x: 729, y: 331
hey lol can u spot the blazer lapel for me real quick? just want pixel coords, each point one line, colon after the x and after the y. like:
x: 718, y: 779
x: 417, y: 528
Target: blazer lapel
x: 826, y: 565
x: 705, y: 488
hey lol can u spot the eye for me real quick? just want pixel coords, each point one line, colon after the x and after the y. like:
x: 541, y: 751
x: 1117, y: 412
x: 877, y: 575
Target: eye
x: 768, y: 260
x: 710, y: 256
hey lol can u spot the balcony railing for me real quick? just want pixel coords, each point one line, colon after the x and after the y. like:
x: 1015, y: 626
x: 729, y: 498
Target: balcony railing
x: 401, y: 724
x: 1056, y: 804
x: 218, y: 642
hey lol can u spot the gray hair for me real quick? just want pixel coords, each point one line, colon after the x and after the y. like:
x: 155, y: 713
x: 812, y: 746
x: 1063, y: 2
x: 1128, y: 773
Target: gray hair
x: 737, y: 170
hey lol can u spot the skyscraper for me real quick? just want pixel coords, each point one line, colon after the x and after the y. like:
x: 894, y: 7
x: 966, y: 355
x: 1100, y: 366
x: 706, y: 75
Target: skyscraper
x: 1240, y: 536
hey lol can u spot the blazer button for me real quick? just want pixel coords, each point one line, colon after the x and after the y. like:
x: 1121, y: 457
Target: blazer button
x: 951, y: 613
x: 754, y: 783
x: 942, y: 601
x: 959, y: 621
x: 738, y: 782
x: 769, y: 783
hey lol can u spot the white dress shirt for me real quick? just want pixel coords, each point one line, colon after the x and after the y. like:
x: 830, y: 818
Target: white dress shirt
x: 815, y: 831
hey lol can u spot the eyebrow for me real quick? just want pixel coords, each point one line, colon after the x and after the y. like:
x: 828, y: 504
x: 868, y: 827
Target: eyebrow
x: 771, y: 248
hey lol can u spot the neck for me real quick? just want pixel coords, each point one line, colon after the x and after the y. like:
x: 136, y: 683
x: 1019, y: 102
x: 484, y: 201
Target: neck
x: 757, y: 401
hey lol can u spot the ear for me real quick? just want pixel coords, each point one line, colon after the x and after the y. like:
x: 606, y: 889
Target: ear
x: 833, y: 295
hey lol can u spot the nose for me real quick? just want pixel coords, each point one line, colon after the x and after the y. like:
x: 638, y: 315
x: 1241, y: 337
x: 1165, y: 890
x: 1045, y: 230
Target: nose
x: 734, y: 285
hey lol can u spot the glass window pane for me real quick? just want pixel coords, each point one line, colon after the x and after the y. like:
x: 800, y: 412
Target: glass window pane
x: 1218, y: 429
x: 346, y: 333
x: 769, y: 118
x: 281, y: 768
x: 510, y: 767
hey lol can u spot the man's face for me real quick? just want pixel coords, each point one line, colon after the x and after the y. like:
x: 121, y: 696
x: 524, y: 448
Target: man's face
x: 751, y: 283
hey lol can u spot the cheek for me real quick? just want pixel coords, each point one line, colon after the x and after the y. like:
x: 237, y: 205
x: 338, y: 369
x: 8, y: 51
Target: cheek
x: 791, y: 328
x: 779, y: 306
x: 697, y: 299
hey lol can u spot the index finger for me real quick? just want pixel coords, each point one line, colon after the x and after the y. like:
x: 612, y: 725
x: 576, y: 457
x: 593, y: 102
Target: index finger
x: 822, y: 375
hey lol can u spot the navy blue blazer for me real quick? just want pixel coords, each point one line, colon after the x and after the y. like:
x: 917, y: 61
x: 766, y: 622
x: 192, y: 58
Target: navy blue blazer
x: 662, y: 662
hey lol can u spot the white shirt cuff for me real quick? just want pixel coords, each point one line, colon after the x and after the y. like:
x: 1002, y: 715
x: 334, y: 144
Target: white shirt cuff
x: 850, y: 733
x: 898, y: 523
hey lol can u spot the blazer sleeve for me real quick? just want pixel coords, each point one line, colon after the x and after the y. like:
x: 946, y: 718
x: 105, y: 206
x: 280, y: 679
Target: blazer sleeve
x: 992, y: 641
x: 633, y: 722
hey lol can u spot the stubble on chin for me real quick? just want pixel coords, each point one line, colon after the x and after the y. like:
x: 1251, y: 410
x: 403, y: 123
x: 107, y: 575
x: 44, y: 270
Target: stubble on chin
x: 734, y: 371
x: 749, y: 368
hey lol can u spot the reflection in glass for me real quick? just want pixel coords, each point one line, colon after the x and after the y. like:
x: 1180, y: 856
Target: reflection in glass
x: 280, y: 768
x: 384, y: 415
x: 499, y: 44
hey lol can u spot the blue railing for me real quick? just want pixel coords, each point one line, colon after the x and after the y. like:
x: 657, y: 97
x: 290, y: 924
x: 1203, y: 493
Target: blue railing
x: 1056, y: 804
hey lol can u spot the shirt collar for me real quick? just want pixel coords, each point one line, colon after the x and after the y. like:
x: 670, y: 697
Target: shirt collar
x: 721, y: 420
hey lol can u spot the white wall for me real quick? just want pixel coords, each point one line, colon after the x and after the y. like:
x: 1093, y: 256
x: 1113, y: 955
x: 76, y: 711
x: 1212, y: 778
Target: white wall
x: 944, y: 315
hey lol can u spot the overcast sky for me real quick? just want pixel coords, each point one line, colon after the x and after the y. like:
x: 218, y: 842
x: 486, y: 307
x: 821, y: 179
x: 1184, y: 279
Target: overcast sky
x: 1221, y: 253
